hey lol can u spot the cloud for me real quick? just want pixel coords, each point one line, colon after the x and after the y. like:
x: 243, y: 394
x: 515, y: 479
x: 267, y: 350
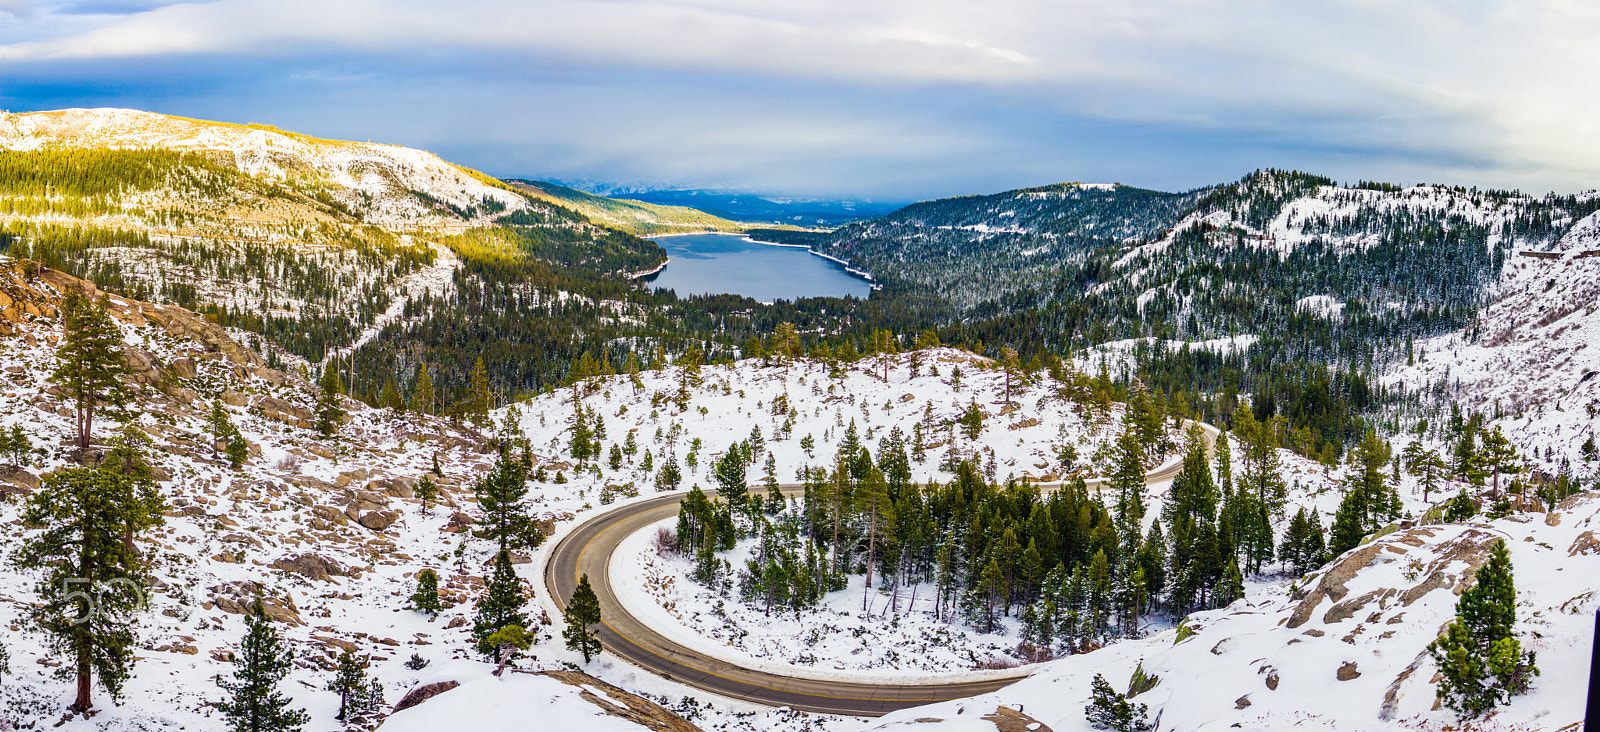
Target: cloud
x: 1497, y: 91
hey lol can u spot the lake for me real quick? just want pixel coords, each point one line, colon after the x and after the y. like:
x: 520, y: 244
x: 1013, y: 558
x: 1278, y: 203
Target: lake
x: 703, y: 264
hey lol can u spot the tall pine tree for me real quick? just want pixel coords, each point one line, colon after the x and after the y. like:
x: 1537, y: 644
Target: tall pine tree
x: 91, y: 592
x: 90, y: 366
x: 583, y: 610
x: 1480, y: 660
x: 254, y: 703
x: 500, y: 606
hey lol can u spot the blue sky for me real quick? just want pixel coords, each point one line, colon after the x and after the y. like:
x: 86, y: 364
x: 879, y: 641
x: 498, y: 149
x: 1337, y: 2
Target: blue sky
x: 879, y: 99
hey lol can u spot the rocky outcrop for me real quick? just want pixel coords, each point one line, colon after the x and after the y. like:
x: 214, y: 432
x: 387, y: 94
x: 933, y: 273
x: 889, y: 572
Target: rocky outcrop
x: 423, y: 693
x: 17, y: 480
x: 314, y: 567
x: 236, y: 597
x: 619, y: 703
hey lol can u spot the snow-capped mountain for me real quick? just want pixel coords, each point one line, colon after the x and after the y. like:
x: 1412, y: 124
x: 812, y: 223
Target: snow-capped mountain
x: 381, y: 183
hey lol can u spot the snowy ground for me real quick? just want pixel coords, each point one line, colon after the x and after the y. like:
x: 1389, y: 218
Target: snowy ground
x: 1527, y: 364
x: 1023, y: 438
x: 837, y: 640
x: 271, y: 526
x: 1345, y: 651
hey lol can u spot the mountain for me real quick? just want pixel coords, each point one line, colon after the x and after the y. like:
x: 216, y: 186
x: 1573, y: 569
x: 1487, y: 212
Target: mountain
x: 976, y: 249
x: 635, y: 217
x: 761, y: 209
x: 1525, y: 362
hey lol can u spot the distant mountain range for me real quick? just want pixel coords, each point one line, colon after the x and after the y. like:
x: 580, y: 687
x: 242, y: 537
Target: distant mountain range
x: 749, y: 207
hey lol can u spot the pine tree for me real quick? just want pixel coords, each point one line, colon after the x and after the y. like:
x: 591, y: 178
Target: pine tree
x: 583, y: 610
x: 90, y: 366
x: 17, y: 446
x: 1232, y: 585
x: 730, y: 477
x: 1348, y: 529
x: 358, y: 694
x: 508, y: 642
x: 87, y: 519
x: 500, y: 606
x: 1460, y: 508
x: 499, y: 494
x: 329, y: 414
x: 1109, y: 710
x: 422, y: 392
x: 1498, y: 457
x: 1479, y: 657
x: 254, y: 703
x: 426, y: 491
x: 480, y: 400
x: 238, y: 451
x: 426, y: 598
x: 392, y: 399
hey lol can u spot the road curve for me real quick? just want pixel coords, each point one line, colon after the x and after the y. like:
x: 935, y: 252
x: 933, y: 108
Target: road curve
x: 587, y: 549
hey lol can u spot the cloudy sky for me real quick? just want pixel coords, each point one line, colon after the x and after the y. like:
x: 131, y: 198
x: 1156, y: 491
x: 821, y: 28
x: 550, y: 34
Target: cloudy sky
x: 881, y: 99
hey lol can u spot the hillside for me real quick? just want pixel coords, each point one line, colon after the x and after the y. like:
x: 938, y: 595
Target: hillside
x: 1525, y: 361
x: 328, y: 532
x: 1342, y: 648
x: 315, y: 246
x: 635, y: 217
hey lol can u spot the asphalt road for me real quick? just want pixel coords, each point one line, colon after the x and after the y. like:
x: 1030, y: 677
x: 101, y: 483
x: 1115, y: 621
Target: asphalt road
x: 588, y: 549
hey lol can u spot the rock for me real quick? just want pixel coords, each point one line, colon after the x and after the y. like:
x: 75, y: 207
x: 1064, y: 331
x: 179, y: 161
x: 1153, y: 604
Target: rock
x: 17, y: 481
x: 353, y: 476
x: 236, y: 597
x: 311, y: 566
x: 1241, y: 702
x: 330, y: 514
x: 1006, y: 719
x: 241, y: 538
x: 394, y: 487
x: 423, y: 693
x: 281, y: 410
x: 1348, y: 671
x: 378, y: 520
x: 184, y: 368
x: 1584, y: 544
x: 233, y: 398
x: 520, y: 558
x: 459, y: 522
x: 645, y: 713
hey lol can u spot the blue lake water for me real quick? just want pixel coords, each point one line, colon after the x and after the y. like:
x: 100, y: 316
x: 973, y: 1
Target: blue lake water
x: 702, y: 264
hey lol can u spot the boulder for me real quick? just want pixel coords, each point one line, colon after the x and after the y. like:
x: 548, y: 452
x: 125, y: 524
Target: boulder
x: 233, y: 398
x: 459, y: 522
x: 423, y: 693
x: 17, y: 481
x: 311, y: 566
x: 184, y: 368
x: 378, y: 520
x: 282, y: 410
x: 236, y: 597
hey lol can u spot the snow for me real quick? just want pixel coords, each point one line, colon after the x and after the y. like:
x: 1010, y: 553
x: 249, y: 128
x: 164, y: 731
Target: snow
x: 1326, y: 306
x: 837, y: 641
x: 294, y: 497
x: 1530, y: 368
x: 1118, y: 356
x: 484, y: 702
x: 1390, y: 610
x: 384, y: 173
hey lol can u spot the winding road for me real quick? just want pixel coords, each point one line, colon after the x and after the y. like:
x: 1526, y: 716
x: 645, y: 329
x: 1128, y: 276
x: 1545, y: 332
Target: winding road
x: 588, y: 548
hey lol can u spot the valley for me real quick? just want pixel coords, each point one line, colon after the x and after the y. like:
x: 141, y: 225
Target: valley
x: 1237, y: 452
